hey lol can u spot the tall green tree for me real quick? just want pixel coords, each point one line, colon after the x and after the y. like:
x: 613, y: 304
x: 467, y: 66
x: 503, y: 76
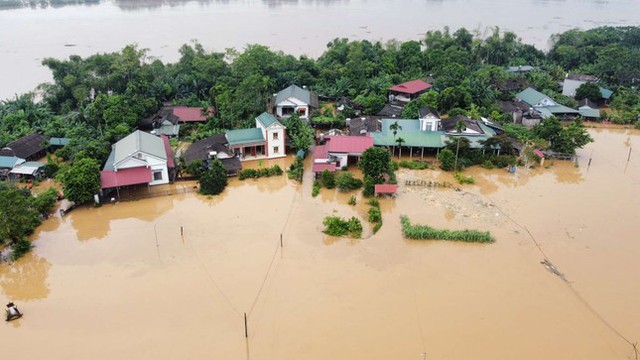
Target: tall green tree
x: 214, y: 180
x: 17, y: 217
x: 375, y: 163
x: 82, y: 180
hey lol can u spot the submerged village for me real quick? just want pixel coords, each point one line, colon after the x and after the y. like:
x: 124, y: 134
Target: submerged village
x: 369, y: 142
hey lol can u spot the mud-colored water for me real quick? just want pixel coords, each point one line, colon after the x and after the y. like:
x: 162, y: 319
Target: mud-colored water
x: 27, y: 36
x: 120, y: 281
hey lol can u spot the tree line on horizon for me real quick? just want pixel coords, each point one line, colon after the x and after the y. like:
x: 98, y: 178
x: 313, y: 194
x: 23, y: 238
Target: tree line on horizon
x: 97, y: 100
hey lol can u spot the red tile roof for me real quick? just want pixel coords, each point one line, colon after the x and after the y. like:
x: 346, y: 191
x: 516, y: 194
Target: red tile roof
x: 125, y: 177
x: 320, y: 167
x: 190, y: 114
x: 386, y: 188
x: 320, y: 152
x: 538, y: 152
x: 349, y: 144
x: 167, y: 148
x: 411, y: 87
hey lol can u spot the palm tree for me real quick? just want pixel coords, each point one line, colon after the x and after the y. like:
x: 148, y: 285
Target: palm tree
x: 400, y: 141
x: 459, y: 128
x: 394, y: 129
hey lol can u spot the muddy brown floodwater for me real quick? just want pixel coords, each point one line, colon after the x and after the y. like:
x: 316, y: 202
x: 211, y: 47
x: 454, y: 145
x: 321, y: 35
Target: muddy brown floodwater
x: 120, y: 281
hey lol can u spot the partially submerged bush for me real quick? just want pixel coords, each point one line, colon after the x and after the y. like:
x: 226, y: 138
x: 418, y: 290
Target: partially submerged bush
x: 464, y: 179
x: 316, y: 189
x: 447, y: 159
x: 296, y: 170
x: 369, y: 186
x: 414, y: 164
x: 352, y: 200
x: 275, y: 170
x: 426, y: 232
x: 375, y: 215
x: 19, y: 248
x: 337, y: 226
x: 346, y: 182
x: 328, y: 179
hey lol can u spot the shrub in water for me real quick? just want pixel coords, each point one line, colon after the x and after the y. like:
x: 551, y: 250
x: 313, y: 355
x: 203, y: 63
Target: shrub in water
x: 375, y: 215
x: 316, y: 189
x: 426, y: 232
x: 369, y: 186
x: 374, y: 203
x: 345, y: 182
x: 464, y: 179
x: 328, y: 179
x: 447, y: 159
x: 352, y: 200
x: 337, y: 226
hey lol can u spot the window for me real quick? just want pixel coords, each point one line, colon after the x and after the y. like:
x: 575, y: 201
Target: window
x: 275, y: 136
x: 276, y: 149
x: 302, y: 111
x: 157, y: 175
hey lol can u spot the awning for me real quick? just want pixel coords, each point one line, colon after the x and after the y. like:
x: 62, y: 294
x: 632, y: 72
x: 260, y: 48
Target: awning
x: 125, y: 177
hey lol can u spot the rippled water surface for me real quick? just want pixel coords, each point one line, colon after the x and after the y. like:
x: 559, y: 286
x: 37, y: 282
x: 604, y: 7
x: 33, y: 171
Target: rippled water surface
x: 28, y: 35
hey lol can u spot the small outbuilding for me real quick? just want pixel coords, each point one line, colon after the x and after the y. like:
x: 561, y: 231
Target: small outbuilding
x: 385, y: 189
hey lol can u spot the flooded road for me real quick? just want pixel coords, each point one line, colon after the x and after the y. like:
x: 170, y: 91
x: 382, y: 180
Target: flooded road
x: 27, y: 35
x: 120, y: 281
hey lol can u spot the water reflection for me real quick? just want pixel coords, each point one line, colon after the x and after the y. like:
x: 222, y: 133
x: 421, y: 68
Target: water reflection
x: 94, y: 223
x: 25, y: 279
x: 132, y: 5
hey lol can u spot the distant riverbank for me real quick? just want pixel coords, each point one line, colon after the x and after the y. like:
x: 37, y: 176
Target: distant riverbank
x: 30, y: 34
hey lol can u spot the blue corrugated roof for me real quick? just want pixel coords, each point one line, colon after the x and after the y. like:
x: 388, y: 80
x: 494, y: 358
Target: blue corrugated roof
x: 10, y: 161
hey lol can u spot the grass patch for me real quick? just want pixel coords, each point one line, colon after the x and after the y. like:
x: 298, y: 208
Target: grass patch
x: 464, y: 179
x: 426, y: 232
x: 337, y: 226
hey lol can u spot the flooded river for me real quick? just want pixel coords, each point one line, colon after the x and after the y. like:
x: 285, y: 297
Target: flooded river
x: 27, y: 35
x: 120, y: 281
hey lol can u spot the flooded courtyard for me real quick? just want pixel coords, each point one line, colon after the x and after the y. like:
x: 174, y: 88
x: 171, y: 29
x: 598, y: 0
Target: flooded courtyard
x: 172, y: 276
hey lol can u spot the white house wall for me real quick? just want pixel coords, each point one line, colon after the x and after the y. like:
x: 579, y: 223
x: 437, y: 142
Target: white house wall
x: 341, y: 158
x: 165, y: 174
x: 151, y: 162
x: 279, y: 143
x: 295, y: 103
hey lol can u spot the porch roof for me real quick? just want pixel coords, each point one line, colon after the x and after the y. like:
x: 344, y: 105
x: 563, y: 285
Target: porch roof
x: 125, y: 177
x: 244, y: 136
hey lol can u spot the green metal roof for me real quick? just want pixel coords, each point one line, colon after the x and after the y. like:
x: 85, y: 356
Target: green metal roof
x: 295, y: 92
x: 244, y: 136
x: 531, y: 96
x: 10, y: 161
x: 586, y: 111
x: 54, y: 141
x: 405, y: 124
x: 432, y: 139
x: 267, y: 119
x: 560, y: 109
x: 605, y: 93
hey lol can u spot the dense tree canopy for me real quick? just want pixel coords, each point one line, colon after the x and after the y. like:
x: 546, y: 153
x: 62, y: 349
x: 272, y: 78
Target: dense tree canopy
x: 82, y: 180
x: 99, y: 99
x: 214, y: 180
